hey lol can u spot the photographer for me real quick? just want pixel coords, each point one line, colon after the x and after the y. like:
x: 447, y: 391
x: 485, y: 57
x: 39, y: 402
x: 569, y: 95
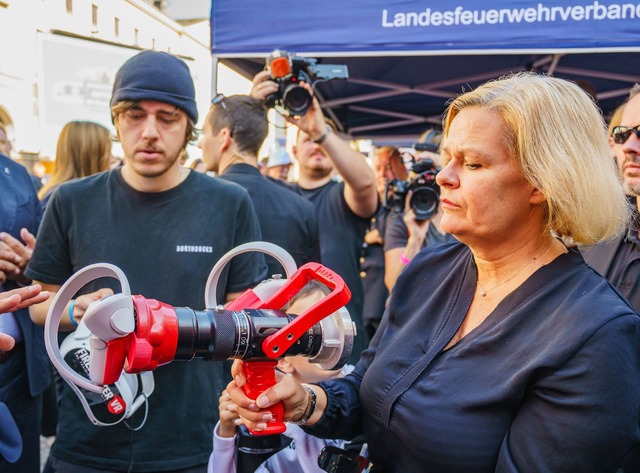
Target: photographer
x: 343, y: 208
x: 406, y: 235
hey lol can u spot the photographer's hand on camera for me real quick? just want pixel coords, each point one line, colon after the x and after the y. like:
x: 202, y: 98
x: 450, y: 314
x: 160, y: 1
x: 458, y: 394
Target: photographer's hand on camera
x: 312, y: 123
x: 294, y: 396
x: 417, y: 229
x: 396, y: 258
x: 263, y: 86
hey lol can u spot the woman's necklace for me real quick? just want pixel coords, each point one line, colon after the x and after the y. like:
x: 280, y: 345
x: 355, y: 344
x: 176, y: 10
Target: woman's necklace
x: 483, y: 291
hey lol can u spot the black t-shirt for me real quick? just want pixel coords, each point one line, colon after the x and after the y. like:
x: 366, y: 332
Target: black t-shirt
x: 341, y: 235
x: 618, y: 259
x: 166, y: 244
x: 286, y: 219
x: 372, y: 274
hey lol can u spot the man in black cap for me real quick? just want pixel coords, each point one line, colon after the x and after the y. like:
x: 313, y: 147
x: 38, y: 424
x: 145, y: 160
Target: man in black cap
x: 165, y: 227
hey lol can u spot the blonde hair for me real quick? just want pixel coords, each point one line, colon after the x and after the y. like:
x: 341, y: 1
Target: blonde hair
x: 616, y: 119
x: 558, y: 136
x: 83, y: 149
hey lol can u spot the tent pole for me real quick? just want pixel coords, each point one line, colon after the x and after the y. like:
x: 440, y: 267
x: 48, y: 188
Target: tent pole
x: 214, y: 76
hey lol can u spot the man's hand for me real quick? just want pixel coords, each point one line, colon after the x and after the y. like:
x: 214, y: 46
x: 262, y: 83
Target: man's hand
x: 18, y: 299
x: 6, y: 342
x: 14, y: 256
x: 21, y: 298
x: 263, y: 86
x: 312, y: 123
x: 418, y: 229
x: 83, y: 302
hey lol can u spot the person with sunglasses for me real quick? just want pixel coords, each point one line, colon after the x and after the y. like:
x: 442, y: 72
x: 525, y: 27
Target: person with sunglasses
x: 233, y: 132
x: 619, y: 260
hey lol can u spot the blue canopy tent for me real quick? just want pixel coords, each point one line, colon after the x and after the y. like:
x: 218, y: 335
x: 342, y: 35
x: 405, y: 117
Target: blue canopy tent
x: 407, y: 58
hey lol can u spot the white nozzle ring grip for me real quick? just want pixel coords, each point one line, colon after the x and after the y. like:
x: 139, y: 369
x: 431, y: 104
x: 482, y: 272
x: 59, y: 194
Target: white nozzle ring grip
x: 57, y: 309
x: 279, y: 253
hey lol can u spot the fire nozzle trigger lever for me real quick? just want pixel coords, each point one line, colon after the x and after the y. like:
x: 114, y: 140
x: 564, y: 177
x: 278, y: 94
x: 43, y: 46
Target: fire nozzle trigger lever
x: 277, y: 344
x: 110, y: 321
x: 260, y: 375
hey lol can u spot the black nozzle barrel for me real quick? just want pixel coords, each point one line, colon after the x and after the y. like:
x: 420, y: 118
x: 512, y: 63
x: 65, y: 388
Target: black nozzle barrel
x: 220, y: 334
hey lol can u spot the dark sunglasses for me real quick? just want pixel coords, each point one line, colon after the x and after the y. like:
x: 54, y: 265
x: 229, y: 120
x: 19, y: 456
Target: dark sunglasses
x: 622, y: 133
x: 219, y: 100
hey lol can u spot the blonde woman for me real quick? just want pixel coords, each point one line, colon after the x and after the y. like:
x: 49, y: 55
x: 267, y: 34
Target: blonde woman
x: 84, y: 148
x: 503, y: 352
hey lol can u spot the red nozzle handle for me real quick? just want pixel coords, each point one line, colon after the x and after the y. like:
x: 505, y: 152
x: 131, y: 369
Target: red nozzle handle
x: 277, y: 344
x: 115, y: 357
x: 261, y: 375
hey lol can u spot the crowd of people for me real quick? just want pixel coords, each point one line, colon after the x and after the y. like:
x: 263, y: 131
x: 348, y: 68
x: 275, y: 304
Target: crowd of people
x: 497, y: 331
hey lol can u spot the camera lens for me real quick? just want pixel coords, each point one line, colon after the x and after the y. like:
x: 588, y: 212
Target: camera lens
x: 424, y: 202
x: 296, y: 99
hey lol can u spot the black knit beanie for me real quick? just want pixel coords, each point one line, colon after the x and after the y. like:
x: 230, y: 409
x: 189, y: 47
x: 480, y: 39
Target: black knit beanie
x: 154, y: 75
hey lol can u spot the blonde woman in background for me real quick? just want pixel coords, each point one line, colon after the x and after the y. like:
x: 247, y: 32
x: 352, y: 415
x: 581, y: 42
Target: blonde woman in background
x: 84, y: 148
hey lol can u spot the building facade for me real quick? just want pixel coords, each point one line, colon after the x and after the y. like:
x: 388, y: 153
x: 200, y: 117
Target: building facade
x: 60, y: 58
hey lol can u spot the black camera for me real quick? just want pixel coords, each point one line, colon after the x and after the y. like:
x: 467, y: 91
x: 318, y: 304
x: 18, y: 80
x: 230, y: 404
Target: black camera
x: 421, y: 181
x: 288, y: 70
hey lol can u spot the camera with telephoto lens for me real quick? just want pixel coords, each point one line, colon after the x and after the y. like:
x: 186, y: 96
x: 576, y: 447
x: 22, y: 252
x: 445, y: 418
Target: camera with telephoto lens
x: 288, y: 70
x: 421, y: 182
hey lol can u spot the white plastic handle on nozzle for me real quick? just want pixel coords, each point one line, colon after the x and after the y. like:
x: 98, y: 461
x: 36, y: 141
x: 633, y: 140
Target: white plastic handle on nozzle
x: 57, y: 309
x: 280, y: 254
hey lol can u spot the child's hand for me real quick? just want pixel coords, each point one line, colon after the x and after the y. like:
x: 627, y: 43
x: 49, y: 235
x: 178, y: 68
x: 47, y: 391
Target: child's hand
x: 229, y: 418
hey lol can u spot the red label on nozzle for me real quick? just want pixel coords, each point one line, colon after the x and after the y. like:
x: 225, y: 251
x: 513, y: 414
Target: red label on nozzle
x: 116, y: 405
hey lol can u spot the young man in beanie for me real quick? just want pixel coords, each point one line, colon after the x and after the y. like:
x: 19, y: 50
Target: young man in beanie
x: 165, y: 227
